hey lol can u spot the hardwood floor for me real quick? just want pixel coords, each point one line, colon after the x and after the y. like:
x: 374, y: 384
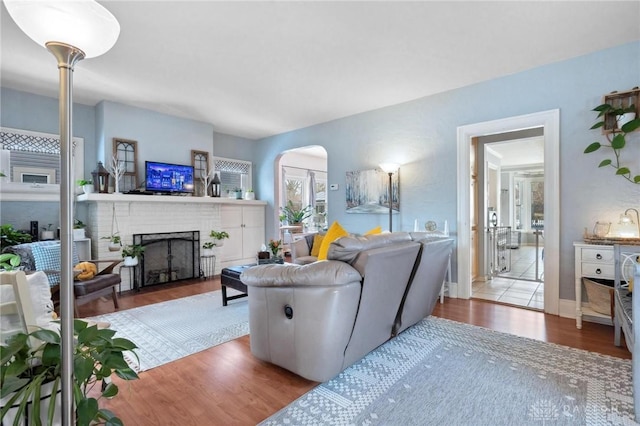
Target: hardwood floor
x: 226, y: 385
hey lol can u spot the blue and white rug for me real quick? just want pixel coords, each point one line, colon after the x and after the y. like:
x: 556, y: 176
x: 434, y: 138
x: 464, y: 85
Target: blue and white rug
x: 174, y: 329
x: 442, y: 372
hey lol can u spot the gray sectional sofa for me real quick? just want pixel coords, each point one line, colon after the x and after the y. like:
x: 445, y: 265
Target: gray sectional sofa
x: 317, y: 319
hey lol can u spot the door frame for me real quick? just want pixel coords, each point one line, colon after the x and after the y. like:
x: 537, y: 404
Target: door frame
x: 550, y: 122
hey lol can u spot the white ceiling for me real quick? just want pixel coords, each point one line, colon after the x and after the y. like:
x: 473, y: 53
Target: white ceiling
x: 255, y: 69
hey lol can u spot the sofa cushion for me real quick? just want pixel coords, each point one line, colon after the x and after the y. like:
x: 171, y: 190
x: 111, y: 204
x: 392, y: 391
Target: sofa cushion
x: 99, y: 282
x: 374, y: 231
x: 335, y: 231
x: 315, y: 247
x: 347, y: 249
x: 47, y: 258
x: 314, y: 274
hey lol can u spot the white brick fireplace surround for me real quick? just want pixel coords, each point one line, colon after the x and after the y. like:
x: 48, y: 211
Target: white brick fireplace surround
x: 146, y: 214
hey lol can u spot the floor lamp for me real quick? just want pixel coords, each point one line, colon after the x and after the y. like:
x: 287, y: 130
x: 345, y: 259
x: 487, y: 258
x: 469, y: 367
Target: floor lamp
x: 390, y: 169
x: 71, y: 31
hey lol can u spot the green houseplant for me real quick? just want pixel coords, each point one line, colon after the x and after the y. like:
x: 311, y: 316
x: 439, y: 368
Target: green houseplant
x: 131, y: 253
x: 9, y: 261
x: 294, y: 215
x: 11, y: 237
x: 617, y: 139
x: 115, y: 242
x: 24, y: 371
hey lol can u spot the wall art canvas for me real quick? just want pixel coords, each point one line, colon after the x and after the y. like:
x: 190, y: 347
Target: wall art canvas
x: 368, y: 192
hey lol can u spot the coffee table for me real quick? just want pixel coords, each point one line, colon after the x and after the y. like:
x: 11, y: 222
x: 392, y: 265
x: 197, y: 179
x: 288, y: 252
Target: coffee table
x: 230, y: 277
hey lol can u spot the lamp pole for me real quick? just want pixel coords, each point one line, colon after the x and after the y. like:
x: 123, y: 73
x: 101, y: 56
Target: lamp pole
x: 390, y: 169
x: 390, y: 202
x: 71, y: 31
x: 67, y: 56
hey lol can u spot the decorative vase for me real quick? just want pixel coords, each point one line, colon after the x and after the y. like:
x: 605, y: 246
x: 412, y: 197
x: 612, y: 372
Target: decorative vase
x: 208, y: 252
x: 88, y: 189
x: 46, y: 235
x: 249, y: 195
x: 78, y: 234
x: 130, y: 261
x: 114, y: 246
x: 238, y: 195
x: 218, y: 243
x: 625, y: 118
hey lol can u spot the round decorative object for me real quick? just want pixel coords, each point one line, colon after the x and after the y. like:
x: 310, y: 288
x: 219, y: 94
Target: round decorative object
x: 430, y: 226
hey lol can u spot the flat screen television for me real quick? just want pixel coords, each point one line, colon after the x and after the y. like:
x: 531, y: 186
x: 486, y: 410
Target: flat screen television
x: 168, y: 178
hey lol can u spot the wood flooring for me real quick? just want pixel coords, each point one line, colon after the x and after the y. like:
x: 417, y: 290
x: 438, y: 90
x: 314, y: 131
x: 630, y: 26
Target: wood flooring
x: 226, y: 385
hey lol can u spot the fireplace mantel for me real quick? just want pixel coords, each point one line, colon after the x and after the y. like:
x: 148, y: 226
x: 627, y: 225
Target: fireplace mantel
x: 120, y: 198
x: 148, y: 214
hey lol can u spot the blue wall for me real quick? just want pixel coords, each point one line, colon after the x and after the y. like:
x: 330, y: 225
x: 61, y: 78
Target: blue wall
x: 421, y: 135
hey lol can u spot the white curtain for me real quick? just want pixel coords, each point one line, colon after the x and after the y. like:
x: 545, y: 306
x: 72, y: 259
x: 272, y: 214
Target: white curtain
x: 312, y: 189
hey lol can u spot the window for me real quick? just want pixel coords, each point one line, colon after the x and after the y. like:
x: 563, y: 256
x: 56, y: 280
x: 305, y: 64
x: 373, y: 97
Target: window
x: 200, y: 163
x: 125, y: 152
x: 234, y: 174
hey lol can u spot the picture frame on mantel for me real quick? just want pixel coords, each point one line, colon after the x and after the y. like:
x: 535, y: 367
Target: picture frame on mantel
x: 367, y: 191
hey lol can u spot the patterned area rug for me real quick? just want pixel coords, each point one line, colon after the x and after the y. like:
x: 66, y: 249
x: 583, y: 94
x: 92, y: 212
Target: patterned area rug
x: 443, y: 372
x: 171, y: 330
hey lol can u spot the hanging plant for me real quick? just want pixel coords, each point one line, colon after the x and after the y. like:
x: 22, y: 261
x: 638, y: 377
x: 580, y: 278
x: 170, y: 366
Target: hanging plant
x: 617, y: 138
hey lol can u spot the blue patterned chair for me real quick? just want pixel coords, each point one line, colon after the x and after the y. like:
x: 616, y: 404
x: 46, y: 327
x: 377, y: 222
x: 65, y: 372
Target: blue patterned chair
x: 45, y: 256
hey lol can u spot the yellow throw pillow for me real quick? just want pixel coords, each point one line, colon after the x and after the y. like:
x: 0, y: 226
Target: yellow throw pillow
x: 335, y: 231
x: 87, y: 270
x: 317, y: 242
x: 376, y: 230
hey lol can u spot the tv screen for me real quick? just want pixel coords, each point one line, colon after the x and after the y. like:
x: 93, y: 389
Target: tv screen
x: 168, y: 178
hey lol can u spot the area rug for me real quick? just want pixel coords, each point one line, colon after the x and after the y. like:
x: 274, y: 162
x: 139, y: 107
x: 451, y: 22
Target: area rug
x: 441, y: 372
x: 174, y: 329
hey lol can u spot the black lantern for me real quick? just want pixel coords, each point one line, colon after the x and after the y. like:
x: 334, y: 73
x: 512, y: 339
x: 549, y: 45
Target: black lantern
x: 215, y: 186
x: 100, y: 179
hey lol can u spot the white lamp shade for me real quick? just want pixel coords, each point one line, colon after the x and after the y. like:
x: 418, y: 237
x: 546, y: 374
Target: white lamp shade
x: 83, y: 24
x: 389, y: 167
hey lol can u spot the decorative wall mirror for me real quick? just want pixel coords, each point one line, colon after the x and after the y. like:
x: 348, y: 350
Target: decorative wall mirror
x: 200, y: 163
x: 126, y: 152
x: 30, y: 162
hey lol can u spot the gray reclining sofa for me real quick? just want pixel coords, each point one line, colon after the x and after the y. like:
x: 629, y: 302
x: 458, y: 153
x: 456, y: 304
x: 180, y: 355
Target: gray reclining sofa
x: 317, y: 319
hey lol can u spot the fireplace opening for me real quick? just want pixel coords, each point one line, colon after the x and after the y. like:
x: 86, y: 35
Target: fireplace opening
x: 169, y: 256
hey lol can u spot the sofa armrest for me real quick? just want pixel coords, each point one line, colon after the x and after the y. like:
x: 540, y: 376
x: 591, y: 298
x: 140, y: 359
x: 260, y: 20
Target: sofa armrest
x: 299, y: 248
x: 329, y: 273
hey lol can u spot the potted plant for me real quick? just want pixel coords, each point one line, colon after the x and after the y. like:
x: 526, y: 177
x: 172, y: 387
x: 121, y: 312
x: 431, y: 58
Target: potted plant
x: 294, y: 215
x: 78, y: 230
x: 131, y: 253
x: 47, y: 232
x: 9, y: 261
x: 87, y: 185
x: 208, y: 248
x: 617, y: 138
x: 115, y: 243
x: 11, y: 237
x: 249, y: 195
x: 218, y: 237
x: 238, y: 193
x: 31, y: 373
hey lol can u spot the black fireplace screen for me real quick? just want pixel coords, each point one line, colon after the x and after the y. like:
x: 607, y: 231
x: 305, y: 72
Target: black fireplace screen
x: 169, y: 256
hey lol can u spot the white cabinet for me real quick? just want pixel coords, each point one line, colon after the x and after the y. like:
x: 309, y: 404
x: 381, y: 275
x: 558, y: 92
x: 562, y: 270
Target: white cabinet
x: 245, y: 225
x: 592, y: 261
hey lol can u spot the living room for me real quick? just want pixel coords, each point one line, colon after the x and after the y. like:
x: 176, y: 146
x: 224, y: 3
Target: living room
x: 418, y: 133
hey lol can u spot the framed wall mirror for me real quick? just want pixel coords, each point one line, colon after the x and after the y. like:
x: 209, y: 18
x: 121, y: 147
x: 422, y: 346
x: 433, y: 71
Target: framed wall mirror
x: 30, y: 163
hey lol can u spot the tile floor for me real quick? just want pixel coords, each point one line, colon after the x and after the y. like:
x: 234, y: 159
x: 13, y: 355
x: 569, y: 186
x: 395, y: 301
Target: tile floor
x: 517, y: 286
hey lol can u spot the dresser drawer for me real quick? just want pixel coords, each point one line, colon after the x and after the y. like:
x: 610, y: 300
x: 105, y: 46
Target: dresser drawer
x: 598, y: 270
x: 604, y: 254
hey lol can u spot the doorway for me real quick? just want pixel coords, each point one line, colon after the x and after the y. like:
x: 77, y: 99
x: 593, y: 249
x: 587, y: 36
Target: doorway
x: 511, y: 197
x: 301, y: 178
x: 549, y: 122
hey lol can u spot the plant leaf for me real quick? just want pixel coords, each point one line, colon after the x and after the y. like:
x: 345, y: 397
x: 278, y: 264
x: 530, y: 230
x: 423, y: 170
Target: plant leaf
x: 604, y: 163
x: 47, y: 336
x: 618, y: 141
x: 636, y: 179
x: 124, y: 344
x: 82, y: 368
x: 631, y: 125
x: 623, y: 171
x: 51, y: 354
x: 126, y: 374
x: 87, y: 409
x: 593, y: 147
x: 110, y: 391
x: 597, y: 125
